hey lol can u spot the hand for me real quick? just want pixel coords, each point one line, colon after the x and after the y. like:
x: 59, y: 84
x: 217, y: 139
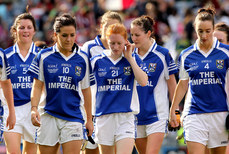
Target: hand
x: 227, y: 122
x: 89, y: 127
x: 174, y: 121
x: 11, y: 120
x: 90, y: 139
x: 35, y: 117
x: 128, y: 50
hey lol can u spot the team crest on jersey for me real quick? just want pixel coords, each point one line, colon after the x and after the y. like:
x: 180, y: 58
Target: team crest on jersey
x: 127, y: 70
x: 152, y: 67
x: 219, y: 64
x: 78, y: 70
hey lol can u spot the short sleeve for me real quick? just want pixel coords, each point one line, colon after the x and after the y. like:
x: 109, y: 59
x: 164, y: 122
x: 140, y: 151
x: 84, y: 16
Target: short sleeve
x: 183, y: 74
x: 35, y: 68
x: 4, y: 67
x: 86, y: 80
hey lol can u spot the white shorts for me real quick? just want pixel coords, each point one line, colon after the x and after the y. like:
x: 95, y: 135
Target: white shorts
x: 156, y: 127
x: 111, y: 128
x: 23, y: 124
x: 54, y: 130
x: 207, y: 129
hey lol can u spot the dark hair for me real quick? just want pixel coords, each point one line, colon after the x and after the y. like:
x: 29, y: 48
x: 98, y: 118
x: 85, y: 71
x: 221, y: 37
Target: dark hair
x: 206, y: 14
x: 63, y: 20
x: 221, y: 26
x: 145, y: 23
x: 22, y: 16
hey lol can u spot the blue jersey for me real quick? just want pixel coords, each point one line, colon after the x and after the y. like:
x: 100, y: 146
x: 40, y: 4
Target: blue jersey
x: 153, y: 98
x: 21, y: 81
x: 116, y: 86
x: 93, y: 48
x: 208, y: 75
x: 64, y: 78
x: 4, y: 66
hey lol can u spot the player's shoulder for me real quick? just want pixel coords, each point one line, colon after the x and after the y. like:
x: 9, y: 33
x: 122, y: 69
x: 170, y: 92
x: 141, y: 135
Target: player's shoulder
x: 162, y: 49
x: 1, y: 50
x: 89, y: 43
x: 46, y: 50
x: 8, y: 50
x: 97, y: 57
x: 223, y: 46
x: 188, y: 50
x: 82, y: 53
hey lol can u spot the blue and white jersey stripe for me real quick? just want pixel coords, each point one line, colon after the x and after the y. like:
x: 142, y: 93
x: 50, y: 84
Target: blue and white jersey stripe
x: 153, y: 98
x: 208, y: 75
x: 21, y: 81
x: 64, y: 78
x: 4, y: 66
x: 93, y: 48
x: 116, y: 85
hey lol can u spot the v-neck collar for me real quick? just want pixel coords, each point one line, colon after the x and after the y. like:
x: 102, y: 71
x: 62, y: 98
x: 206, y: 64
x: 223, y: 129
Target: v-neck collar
x: 66, y: 58
x: 151, y: 49
x: 17, y: 50
x: 112, y: 60
x: 206, y: 54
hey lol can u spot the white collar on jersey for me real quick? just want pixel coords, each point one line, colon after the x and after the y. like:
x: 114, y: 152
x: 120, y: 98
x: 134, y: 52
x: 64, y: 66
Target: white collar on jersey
x: 98, y: 41
x: 151, y: 49
x: 55, y: 48
x: 214, y: 45
x: 107, y: 53
x: 31, y: 50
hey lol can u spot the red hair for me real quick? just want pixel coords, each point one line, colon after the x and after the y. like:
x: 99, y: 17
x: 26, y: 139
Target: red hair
x: 116, y: 29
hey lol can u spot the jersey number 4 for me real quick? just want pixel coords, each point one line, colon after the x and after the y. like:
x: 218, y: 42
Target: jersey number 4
x: 206, y: 66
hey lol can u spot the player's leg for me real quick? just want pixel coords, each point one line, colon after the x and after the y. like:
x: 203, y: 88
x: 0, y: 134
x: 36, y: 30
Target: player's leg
x: 44, y: 149
x: 29, y: 132
x: 13, y: 142
x: 195, y: 148
x: 104, y: 149
x: 196, y: 132
x: 227, y: 149
x: 125, y: 146
x: 141, y: 139
x: 71, y: 136
x: 48, y: 135
x: 154, y: 142
x: 141, y: 145
x: 218, y: 150
x: 13, y: 137
x: 104, y: 133
x: 218, y: 135
x: 72, y: 147
x: 29, y: 148
x: 125, y: 133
